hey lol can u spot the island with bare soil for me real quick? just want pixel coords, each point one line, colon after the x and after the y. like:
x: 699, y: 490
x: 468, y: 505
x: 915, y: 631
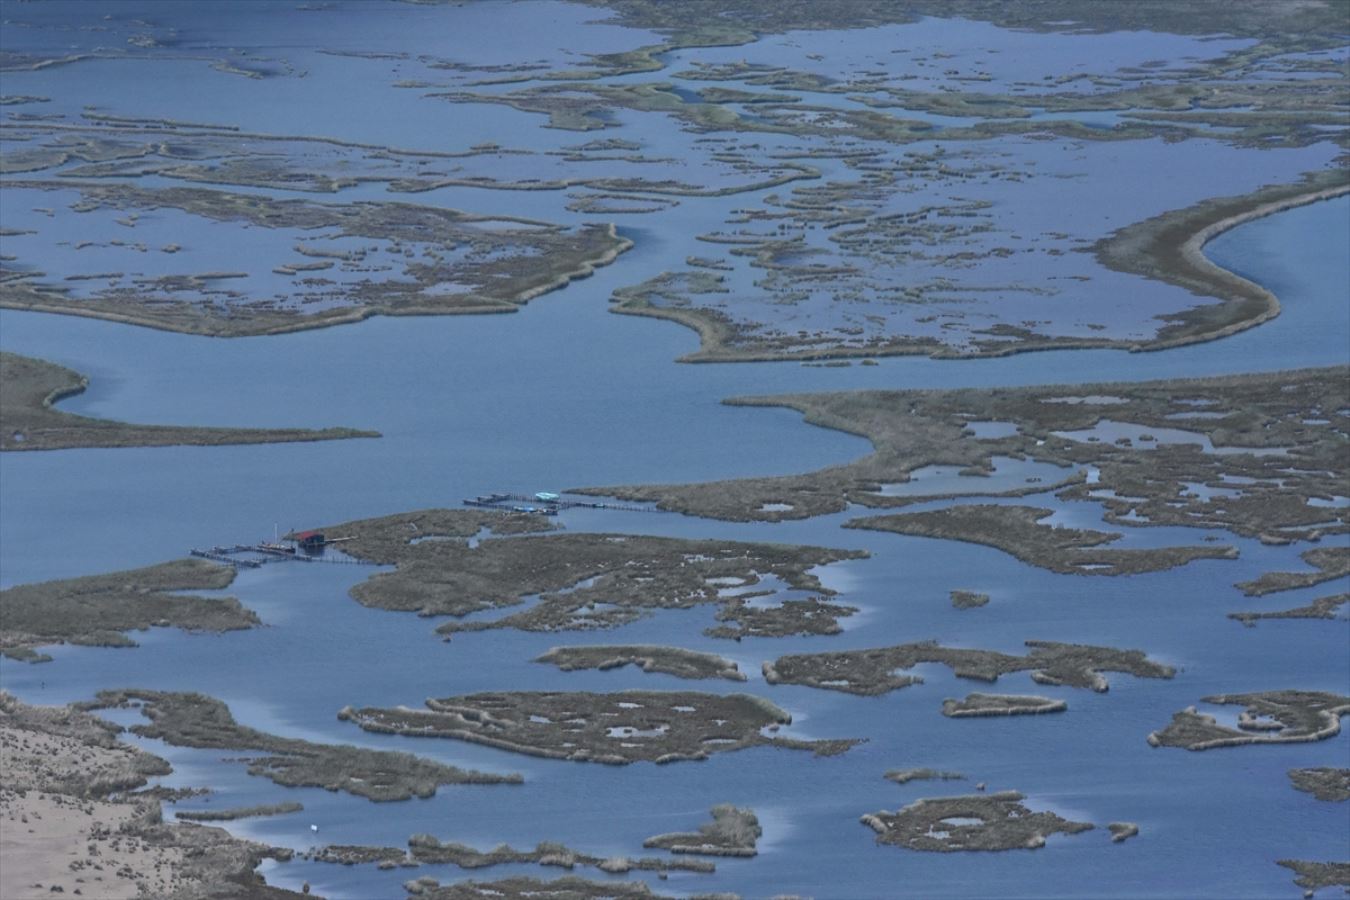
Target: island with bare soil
x: 1001, y: 705
x: 667, y: 660
x: 976, y: 822
x: 98, y: 610
x: 580, y: 582
x: 75, y: 822
x: 872, y: 672
x: 1273, y: 717
x: 733, y: 832
x: 194, y: 720
x: 1332, y: 785
x: 615, y: 729
x: 29, y: 421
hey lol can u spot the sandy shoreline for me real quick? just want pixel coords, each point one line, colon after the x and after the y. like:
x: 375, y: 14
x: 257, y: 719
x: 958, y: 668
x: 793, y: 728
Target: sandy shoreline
x: 71, y: 824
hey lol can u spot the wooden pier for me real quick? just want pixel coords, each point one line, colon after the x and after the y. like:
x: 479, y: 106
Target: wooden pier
x: 270, y: 553
x: 531, y: 504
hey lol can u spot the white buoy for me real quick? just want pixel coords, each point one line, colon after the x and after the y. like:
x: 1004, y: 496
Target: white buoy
x: 314, y: 828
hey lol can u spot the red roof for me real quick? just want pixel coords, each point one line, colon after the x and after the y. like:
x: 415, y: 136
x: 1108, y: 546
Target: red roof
x: 309, y: 536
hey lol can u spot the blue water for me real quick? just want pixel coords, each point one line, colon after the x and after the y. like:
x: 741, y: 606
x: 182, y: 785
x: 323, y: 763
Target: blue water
x: 564, y: 394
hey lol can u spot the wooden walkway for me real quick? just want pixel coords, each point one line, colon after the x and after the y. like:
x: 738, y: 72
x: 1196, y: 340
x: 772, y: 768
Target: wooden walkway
x: 512, y: 502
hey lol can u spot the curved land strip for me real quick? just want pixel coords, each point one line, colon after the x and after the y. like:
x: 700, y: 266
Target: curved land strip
x: 74, y: 821
x: 1170, y: 248
x: 520, y: 887
x: 1275, y: 442
x: 1274, y: 717
x: 1001, y: 705
x: 1167, y: 248
x: 495, y: 269
x: 581, y: 582
x: 1331, y: 563
x: 1332, y: 785
x: 98, y: 610
x: 872, y: 672
x: 30, y: 387
x: 1312, y: 876
x: 733, y: 832
x: 1321, y: 608
x: 941, y: 824
x: 1018, y: 530
x: 194, y: 720
x: 615, y: 729
x: 667, y: 660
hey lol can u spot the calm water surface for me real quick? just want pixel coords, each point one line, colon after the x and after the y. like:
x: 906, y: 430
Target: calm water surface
x: 565, y: 394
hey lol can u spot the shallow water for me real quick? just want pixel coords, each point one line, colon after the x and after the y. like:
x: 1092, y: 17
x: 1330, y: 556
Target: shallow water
x: 564, y: 394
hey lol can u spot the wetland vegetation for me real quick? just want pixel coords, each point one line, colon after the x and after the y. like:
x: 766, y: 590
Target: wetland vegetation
x: 1001, y: 705
x: 615, y: 729
x: 666, y: 660
x: 98, y: 610
x: 975, y: 822
x: 1321, y: 608
x: 522, y: 887
x: 1271, y: 440
x: 733, y: 832
x: 1332, y: 785
x: 877, y: 671
x: 1272, y: 717
x: 193, y: 720
x: 450, y: 262
x: 581, y: 582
